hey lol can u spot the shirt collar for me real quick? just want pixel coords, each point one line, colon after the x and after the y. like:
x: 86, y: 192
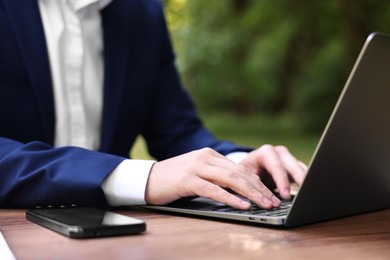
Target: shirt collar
x: 80, y: 4
x: 104, y: 3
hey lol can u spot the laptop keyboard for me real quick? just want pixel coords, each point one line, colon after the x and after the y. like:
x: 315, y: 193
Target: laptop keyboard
x: 255, y: 210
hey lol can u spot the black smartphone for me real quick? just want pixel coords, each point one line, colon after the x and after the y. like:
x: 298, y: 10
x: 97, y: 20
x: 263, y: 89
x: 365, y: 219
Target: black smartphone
x: 85, y: 222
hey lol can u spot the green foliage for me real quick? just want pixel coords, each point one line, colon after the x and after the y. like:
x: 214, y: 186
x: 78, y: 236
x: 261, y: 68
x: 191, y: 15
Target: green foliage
x: 247, y: 56
x: 316, y: 90
x: 252, y: 131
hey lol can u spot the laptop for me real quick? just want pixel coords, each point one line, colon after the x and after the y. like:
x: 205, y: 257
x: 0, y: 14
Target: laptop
x: 349, y: 172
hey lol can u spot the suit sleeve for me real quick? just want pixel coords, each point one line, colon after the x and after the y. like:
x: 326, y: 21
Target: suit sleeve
x: 36, y: 174
x: 174, y: 126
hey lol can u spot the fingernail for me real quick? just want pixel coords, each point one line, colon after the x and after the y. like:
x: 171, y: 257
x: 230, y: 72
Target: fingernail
x: 275, y: 201
x: 245, y: 204
x: 266, y: 201
x: 287, y: 193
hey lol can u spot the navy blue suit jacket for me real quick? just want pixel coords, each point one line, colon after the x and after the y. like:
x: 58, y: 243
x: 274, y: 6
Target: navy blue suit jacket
x: 142, y: 96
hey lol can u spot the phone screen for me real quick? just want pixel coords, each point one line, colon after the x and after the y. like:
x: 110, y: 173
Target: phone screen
x: 79, y: 222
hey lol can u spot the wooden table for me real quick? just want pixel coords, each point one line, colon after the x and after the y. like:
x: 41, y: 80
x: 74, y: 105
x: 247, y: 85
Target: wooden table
x: 177, y: 237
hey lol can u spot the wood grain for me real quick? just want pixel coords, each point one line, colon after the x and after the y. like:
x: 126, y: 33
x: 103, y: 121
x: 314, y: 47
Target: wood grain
x: 177, y: 237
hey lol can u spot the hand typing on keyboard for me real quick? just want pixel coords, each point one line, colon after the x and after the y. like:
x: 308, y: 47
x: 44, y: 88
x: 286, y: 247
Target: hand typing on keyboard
x: 209, y: 174
x: 282, y: 210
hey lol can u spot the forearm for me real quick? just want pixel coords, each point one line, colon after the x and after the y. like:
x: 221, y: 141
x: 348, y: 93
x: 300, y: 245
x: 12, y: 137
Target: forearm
x: 35, y: 174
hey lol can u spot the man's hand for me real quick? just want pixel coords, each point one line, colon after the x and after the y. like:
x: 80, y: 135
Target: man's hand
x: 209, y: 174
x: 276, y: 167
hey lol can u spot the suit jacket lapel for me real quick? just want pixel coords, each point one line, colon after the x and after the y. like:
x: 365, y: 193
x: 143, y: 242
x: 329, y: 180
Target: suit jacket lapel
x: 117, y: 31
x: 30, y: 35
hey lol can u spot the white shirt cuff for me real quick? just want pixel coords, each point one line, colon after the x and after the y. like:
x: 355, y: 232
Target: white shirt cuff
x: 236, y: 156
x: 126, y: 184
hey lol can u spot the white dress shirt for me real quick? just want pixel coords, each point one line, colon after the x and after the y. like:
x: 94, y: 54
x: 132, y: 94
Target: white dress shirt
x: 75, y: 44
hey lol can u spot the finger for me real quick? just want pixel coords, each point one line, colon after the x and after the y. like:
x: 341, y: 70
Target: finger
x: 295, y: 168
x: 240, y: 180
x: 303, y: 166
x: 207, y: 189
x: 274, y: 165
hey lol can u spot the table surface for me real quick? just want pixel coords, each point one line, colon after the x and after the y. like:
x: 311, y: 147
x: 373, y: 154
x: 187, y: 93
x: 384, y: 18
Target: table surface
x: 168, y: 236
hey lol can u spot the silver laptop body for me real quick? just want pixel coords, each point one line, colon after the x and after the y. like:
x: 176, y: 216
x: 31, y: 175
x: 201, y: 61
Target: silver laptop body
x: 350, y: 170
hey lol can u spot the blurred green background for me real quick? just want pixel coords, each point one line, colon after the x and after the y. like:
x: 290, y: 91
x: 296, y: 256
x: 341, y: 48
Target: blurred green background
x: 263, y: 71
